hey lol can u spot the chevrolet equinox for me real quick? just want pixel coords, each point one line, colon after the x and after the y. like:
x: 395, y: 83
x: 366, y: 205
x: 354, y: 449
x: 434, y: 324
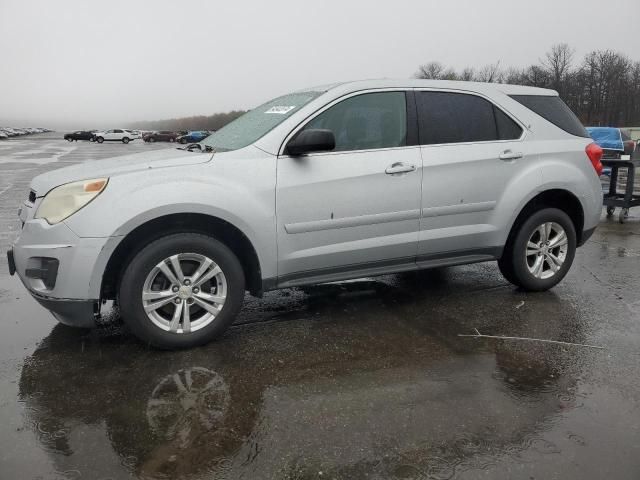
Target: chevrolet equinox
x: 325, y: 184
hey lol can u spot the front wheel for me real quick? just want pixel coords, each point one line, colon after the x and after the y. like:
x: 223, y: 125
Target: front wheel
x: 125, y: 140
x: 99, y: 139
x: 183, y: 141
x: 181, y: 291
x: 539, y: 254
x: 171, y: 139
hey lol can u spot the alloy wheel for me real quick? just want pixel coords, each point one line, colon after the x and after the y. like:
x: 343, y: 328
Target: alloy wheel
x: 184, y: 293
x: 546, y: 250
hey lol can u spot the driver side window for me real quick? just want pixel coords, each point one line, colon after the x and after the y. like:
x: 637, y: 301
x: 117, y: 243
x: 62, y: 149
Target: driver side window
x: 367, y: 121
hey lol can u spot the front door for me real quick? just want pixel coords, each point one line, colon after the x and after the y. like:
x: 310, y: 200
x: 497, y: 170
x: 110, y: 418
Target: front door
x: 355, y: 209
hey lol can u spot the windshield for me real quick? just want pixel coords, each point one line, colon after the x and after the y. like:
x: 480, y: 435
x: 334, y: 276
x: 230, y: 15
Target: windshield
x: 254, y: 124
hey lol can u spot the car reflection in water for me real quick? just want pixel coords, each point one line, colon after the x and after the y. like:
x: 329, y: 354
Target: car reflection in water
x: 355, y: 380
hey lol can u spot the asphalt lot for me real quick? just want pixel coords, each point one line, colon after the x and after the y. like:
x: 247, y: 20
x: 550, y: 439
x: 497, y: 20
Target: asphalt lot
x: 362, y: 379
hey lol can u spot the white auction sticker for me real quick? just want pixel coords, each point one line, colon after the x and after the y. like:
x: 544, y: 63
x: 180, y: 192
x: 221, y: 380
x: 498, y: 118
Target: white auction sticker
x: 282, y: 109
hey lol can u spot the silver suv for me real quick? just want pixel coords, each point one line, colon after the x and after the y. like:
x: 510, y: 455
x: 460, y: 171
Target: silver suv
x: 335, y: 182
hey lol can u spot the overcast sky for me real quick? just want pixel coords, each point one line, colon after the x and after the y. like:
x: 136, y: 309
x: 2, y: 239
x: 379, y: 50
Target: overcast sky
x: 99, y: 63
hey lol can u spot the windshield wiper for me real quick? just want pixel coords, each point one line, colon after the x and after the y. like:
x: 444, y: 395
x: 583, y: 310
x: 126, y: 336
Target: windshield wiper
x: 196, y: 146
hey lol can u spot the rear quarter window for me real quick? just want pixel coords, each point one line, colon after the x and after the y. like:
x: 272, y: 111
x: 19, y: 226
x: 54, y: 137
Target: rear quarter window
x: 554, y: 110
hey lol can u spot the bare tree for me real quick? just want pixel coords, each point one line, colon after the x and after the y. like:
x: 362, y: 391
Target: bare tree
x: 468, y: 74
x: 603, y: 89
x: 431, y: 71
x: 557, y: 64
x: 490, y: 73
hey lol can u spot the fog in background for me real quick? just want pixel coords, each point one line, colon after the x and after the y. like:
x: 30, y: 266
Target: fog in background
x: 81, y: 63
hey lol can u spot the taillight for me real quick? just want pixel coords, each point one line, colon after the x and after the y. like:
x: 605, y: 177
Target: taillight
x: 594, y: 152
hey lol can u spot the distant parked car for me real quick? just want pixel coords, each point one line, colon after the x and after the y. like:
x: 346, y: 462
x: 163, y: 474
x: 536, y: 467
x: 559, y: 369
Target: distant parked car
x: 116, y: 135
x: 613, y: 141
x: 79, y: 135
x: 194, y: 136
x: 160, y: 136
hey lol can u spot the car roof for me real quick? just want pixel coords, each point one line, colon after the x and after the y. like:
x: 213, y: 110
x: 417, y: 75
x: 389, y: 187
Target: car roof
x: 481, y: 87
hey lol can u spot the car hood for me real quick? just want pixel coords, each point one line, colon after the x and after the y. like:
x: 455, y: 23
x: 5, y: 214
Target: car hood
x: 169, y: 157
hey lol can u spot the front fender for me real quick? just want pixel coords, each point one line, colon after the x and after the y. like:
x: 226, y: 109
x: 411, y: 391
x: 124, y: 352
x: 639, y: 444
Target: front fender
x: 131, y: 200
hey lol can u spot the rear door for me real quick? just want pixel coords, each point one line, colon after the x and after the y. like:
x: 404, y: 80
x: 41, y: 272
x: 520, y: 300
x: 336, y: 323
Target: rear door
x: 470, y: 150
x: 354, y: 209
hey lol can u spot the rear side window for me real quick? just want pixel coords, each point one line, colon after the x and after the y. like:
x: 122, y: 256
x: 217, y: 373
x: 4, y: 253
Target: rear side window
x: 446, y: 117
x: 554, y: 110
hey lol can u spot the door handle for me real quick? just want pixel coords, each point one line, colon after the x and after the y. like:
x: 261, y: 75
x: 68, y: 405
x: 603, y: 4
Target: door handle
x: 399, y: 167
x: 509, y: 155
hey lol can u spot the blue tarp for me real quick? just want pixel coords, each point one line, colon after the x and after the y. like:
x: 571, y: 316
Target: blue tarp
x: 607, y: 137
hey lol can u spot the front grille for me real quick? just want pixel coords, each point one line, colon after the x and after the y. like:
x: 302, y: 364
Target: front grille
x: 32, y: 196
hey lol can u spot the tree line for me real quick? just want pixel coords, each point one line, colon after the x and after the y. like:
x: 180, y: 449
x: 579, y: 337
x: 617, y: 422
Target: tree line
x: 603, y: 88
x: 198, y: 122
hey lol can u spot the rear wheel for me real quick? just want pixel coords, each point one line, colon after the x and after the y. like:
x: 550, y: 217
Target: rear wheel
x: 171, y: 139
x: 540, y: 253
x: 181, y: 290
x: 125, y: 140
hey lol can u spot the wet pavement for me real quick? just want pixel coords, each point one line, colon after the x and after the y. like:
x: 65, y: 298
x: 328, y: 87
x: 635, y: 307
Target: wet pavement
x: 361, y: 379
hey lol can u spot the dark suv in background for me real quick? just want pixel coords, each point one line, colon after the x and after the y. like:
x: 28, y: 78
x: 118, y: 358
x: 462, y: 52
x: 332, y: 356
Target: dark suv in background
x: 160, y: 136
x: 80, y: 135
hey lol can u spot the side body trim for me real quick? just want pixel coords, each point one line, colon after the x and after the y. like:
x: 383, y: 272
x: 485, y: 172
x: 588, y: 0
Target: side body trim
x: 458, y: 209
x: 333, y: 223
x: 370, y: 269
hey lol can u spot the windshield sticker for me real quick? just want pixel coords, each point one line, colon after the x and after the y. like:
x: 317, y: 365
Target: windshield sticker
x: 281, y: 110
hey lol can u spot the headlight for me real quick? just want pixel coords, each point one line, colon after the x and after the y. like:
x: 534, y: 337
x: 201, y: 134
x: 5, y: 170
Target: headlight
x: 65, y: 200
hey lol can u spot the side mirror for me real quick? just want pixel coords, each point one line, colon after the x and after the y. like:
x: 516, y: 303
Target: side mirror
x: 312, y: 140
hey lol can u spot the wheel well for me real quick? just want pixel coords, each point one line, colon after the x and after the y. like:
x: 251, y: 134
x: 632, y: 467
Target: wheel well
x: 143, y: 235
x: 560, y: 199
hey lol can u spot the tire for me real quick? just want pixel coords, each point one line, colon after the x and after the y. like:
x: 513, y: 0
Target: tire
x: 553, y: 262
x: 171, y: 139
x: 125, y: 140
x: 183, y: 141
x: 610, y: 211
x: 151, y: 140
x: 99, y: 139
x: 92, y: 139
x: 69, y: 139
x: 191, y: 249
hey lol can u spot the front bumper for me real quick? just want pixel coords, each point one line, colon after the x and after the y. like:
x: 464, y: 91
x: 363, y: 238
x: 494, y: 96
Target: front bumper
x: 75, y: 313
x: 58, y: 268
